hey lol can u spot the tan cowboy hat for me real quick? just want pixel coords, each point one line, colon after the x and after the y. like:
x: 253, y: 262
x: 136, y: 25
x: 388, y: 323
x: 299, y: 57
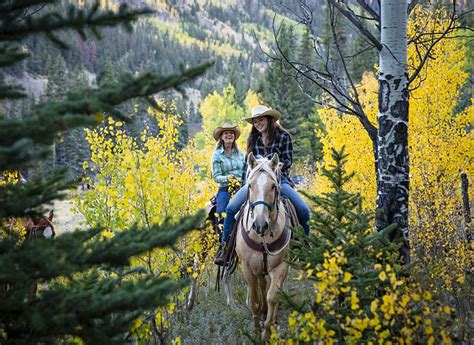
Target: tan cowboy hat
x: 226, y: 127
x: 262, y: 110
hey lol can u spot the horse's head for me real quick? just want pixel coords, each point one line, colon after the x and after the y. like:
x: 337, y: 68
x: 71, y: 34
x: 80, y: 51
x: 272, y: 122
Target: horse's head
x: 264, y: 191
x: 36, y: 226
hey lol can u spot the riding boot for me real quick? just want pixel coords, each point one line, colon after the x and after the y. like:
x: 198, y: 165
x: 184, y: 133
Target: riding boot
x: 221, y: 253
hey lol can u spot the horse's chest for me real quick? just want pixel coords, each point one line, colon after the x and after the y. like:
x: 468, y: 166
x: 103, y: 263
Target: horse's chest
x: 254, y: 260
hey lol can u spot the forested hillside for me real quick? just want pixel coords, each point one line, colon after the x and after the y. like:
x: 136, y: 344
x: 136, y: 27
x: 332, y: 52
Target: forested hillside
x: 236, y: 35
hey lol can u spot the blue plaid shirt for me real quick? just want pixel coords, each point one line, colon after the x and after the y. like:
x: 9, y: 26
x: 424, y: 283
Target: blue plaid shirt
x: 223, y: 166
x: 282, y: 146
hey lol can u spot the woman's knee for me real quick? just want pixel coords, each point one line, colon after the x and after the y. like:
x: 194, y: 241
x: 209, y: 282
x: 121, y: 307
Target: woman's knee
x: 301, y: 207
x: 236, y: 203
x: 232, y: 209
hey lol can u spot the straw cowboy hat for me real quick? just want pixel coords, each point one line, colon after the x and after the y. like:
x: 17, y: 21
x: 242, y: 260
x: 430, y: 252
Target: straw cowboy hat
x: 262, y: 110
x: 226, y: 127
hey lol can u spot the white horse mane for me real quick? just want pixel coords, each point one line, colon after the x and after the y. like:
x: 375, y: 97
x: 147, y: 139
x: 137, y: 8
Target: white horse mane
x: 263, y: 164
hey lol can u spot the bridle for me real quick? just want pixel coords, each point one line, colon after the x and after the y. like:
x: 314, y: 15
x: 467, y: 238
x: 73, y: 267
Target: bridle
x: 273, y: 207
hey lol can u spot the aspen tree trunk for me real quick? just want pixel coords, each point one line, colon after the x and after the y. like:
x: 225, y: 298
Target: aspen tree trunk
x: 392, y: 136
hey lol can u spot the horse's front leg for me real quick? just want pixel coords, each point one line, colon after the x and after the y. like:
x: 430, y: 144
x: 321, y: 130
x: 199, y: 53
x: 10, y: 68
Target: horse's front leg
x: 262, y: 284
x: 277, y: 277
x: 252, y: 283
x: 228, y: 290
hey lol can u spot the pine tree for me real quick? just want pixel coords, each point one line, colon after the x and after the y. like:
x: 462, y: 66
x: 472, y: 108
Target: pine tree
x: 281, y: 91
x: 310, y: 122
x: 50, y: 85
x: 278, y: 89
x: 91, y: 294
x: 107, y: 74
x: 339, y: 222
x: 237, y: 80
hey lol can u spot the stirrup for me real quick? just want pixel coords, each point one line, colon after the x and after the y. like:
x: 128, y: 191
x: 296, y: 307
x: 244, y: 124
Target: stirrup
x: 220, y: 259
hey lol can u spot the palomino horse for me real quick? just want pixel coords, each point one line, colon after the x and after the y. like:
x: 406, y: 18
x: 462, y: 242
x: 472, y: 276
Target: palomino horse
x: 262, y: 240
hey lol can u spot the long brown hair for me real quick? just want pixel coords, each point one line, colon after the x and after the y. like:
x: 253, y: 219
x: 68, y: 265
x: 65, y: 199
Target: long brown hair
x: 220, y: 143
x: 273, y: 129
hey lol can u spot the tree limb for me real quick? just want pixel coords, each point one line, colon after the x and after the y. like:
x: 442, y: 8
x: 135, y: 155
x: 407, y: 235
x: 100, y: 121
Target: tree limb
x: 357, y: 23
x: 369, y: 9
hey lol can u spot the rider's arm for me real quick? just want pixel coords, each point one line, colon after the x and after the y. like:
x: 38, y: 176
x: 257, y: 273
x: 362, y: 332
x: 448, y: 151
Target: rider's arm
x: 286, y: 151
x: 217, y: 173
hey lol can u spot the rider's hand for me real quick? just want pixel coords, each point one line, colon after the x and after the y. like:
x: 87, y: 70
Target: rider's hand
x: 233, y: 179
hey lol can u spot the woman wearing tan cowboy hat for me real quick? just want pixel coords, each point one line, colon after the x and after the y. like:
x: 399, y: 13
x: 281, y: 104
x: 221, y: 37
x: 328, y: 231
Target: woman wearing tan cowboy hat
x: 227, y: 163
x: 266, y: 138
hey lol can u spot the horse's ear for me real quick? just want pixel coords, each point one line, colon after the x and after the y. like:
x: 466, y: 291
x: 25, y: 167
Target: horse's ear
x: 274, y: 162
x: 51, y: 215
x: 251, y: 161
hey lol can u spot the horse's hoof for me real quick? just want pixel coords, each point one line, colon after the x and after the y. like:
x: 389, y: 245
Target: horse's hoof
x: 232, y: 306
x: 266, y: 335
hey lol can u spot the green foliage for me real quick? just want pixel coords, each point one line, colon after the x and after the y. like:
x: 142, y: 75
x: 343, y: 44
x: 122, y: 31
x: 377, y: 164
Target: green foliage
x: 357, y: 294
x: 340, y: 223
x: 76, y: 285
x: 279, y: 88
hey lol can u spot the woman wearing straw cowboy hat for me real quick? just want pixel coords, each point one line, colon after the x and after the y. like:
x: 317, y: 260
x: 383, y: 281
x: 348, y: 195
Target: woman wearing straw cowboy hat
x: 227, y: 163
x: 266, y: 138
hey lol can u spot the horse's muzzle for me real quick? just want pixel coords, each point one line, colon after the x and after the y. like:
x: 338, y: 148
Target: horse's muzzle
x: 260, y: 227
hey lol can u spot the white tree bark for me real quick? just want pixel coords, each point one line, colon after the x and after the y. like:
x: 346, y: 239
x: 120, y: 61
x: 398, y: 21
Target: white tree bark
x: 392, y: 138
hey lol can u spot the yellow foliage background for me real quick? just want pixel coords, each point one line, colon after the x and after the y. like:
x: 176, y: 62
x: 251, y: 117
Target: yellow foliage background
x: 440, y: 148
x: 144, y: 181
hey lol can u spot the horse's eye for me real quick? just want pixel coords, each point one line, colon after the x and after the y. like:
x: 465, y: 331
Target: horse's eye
x: 274, y: 186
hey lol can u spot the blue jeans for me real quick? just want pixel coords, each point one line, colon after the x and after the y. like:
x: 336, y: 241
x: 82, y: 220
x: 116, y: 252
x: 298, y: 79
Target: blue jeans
x: 238, y: 200
x: 222, y: 199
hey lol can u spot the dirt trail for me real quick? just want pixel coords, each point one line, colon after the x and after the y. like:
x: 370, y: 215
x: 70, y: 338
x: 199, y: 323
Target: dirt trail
x: 65, y: 219
x: 212, y: 322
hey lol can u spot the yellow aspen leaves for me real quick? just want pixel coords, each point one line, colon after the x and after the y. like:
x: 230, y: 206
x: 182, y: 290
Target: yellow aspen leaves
x: 144, y: 180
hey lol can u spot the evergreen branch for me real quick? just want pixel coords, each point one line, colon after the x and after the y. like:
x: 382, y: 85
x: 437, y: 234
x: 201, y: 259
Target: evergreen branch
x: 11, y: 92
x: 31, y: 195
x: 9, y: 7
x: 76, y: 19
x: 114, y: 301
x: 10, y: 55
x: 22, y: 153
x: 66, y: 255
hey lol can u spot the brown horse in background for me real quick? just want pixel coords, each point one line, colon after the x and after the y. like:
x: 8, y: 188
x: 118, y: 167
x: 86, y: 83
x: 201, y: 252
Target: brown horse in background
x: 39, y: 226
x: 36, y: 225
